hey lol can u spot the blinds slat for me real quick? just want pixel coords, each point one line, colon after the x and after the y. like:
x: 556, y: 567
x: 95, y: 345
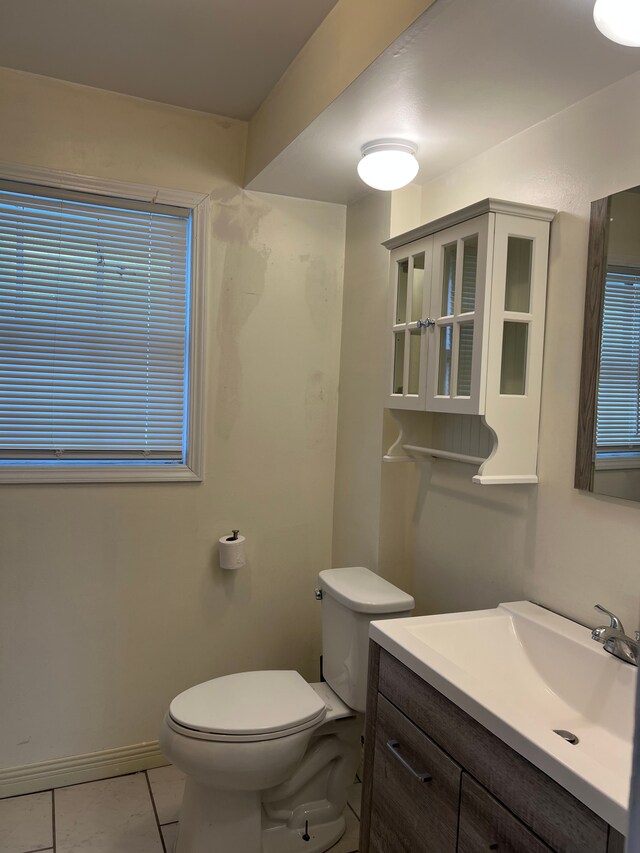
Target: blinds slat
x: 618, y: 401
x: 93, y: 337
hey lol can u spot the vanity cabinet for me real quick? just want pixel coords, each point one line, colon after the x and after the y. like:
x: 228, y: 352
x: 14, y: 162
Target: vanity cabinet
x: 467, y: 307
x: 408, y: 810
x: 485, y: 824
x: 436, y: 781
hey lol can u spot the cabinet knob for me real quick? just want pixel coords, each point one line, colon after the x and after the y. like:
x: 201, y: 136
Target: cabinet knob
x: 424, y: 324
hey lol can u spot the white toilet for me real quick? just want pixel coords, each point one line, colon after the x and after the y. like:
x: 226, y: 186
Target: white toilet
x: 267, y: 756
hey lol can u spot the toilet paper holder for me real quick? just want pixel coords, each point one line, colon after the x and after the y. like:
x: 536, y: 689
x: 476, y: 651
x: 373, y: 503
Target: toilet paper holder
x: 231, y: 551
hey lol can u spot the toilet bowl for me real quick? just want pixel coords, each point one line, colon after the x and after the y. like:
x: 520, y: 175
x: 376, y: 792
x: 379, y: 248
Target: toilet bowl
x: 268, y: 757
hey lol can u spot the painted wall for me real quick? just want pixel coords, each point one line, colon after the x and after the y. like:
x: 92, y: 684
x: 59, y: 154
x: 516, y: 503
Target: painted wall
x: 110, y: 597
x: 370, y: 522
x: 477, y: 546
x: 339, y: 50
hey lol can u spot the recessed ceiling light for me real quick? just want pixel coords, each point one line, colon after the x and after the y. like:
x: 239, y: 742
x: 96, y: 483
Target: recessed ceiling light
x: 388, y: 164
x: 619, y: 20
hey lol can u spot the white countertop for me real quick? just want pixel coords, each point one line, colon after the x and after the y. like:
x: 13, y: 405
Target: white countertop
x: 522, y: 671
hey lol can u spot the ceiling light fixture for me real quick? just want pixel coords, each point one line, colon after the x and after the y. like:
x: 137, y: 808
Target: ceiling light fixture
x: 619, y: 20
x: 388, y: 164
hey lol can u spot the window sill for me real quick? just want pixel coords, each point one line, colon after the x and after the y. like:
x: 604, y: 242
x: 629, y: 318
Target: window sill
x: 98, y: 474
x: 617, y: 463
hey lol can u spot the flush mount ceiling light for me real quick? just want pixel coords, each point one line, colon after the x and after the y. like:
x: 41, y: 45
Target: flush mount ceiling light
x: 388, y: 164
x: 619, y: 20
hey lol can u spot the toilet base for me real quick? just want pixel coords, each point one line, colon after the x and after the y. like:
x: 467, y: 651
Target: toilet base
x: 219, y: 821
x: 283, y: 839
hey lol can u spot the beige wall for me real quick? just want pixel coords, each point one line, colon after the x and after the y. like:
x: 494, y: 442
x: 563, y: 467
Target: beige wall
x: 475, y: 545
x: 370, y: 498
x: 339, y: 50
x: 110, y: 597
x: 359, y: 441
x: 624, y: 228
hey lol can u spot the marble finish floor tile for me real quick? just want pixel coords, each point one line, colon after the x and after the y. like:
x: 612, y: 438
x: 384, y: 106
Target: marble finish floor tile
x: 354, y: 797
x: 351, y: 838
x: 170, y: 836
x: 117, y: 816
x: 167, y: 787
x: 111, y: 816
x: 26, y: 823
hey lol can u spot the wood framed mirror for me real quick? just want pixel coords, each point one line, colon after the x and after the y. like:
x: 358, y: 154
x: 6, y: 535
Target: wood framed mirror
x: 608, y: 443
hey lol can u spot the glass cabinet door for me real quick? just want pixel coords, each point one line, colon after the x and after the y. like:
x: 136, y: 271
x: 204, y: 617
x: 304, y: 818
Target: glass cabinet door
x: 457, y: 305
x: 519, y: 253
x: 410, y: 279
x: 517, y: 314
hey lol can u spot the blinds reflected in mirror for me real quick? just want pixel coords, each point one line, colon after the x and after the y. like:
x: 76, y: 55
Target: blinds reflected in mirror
x: 618, y: 399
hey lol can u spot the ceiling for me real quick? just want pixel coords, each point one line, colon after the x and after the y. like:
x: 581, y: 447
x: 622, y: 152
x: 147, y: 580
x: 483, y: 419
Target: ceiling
x: 220, y: 56
x: 466, y: 76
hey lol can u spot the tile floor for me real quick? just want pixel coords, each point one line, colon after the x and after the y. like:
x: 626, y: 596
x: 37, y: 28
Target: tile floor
x: 137, y: 813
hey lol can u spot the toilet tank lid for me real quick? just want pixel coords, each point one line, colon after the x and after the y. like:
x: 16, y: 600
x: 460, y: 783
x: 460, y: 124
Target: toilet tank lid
x: 363, y: 591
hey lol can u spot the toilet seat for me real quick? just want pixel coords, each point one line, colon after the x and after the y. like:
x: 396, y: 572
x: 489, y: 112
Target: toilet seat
x: 247, y: 707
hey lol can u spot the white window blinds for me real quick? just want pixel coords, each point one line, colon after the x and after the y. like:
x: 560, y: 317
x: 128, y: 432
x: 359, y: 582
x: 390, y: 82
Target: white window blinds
x: 94, y: 317
x: 618, y: 409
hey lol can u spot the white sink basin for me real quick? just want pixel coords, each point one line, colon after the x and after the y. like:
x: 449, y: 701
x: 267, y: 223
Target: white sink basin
x: 522, y: 672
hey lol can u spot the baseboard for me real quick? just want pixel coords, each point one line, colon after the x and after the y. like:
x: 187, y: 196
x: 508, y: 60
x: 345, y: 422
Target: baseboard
x: 80, y: 768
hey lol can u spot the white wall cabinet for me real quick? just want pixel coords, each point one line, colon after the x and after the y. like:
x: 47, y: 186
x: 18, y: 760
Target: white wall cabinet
x: 468, y: 295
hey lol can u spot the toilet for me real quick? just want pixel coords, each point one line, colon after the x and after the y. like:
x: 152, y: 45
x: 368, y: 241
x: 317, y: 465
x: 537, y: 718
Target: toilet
x: 269, y: 757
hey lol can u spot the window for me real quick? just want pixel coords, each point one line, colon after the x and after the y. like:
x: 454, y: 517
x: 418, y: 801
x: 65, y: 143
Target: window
x: 100, y: 348
x: 618, y: 409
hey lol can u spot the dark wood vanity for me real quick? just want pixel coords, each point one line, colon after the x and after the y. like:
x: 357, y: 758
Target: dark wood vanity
x: 436, y: 781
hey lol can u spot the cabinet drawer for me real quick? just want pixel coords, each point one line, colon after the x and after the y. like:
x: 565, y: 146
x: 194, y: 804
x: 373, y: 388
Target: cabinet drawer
x: 410, y: 814
x: 558, y: 818
x: 485, y: 825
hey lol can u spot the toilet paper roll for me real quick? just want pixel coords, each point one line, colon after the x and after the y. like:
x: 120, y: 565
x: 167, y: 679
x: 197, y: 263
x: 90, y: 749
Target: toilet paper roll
x: 232, y: 552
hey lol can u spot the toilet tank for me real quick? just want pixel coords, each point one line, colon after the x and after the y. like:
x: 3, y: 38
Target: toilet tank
x: 351, y: 599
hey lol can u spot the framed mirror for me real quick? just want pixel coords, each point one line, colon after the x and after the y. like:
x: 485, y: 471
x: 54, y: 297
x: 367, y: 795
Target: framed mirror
x: 608, y: 446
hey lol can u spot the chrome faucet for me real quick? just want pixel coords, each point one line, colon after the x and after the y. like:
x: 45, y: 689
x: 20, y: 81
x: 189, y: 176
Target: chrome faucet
x: 614, y: 639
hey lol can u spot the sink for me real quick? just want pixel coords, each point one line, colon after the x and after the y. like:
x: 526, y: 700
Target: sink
x: 526, y: 673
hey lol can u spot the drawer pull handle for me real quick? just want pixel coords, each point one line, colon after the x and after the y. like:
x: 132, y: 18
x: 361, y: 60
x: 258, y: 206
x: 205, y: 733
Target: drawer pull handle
x: 393, y: 746
x: 493, y: 847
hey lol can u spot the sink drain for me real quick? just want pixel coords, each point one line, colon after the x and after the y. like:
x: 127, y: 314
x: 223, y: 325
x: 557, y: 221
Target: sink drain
x: 568, y: 736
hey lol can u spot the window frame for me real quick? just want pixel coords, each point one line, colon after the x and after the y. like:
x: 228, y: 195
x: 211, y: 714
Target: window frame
x: 192, y: 469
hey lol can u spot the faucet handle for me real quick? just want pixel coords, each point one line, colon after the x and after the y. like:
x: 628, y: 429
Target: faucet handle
x: 616, y: 624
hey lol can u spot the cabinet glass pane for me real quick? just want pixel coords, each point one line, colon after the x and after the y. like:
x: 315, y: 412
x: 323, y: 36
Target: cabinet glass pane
x: 398, y: 363
x: 444, y: 361
x: 414, y: 362
x: 514, y: 358
x: 417, y: 287
x: 469, y: 273
x: 449, y: 279
x: 518, y: 285
x: 401, y: 301
x: 465, y: 360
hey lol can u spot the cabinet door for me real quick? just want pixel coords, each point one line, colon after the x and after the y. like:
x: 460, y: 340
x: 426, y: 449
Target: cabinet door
x: 485, y: 825
x: 410, y: 298
x: 460, y: 301
x: 416, y: 788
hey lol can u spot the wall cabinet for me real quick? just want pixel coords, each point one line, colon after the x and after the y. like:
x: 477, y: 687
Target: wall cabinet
x: 436, y: 781
x: 467, y: 304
